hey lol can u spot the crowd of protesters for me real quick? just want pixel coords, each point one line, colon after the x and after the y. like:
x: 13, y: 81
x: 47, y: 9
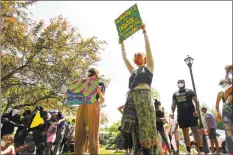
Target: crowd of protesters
x: 53, y: 135
x: 143, y: 125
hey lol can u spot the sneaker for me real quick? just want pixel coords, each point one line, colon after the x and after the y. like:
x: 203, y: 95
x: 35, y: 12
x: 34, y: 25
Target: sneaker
x: 216, y: 153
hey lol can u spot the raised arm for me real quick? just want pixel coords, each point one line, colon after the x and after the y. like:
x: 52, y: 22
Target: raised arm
x: 149, y: 57
x: 22, y: 148
x: 8, y: 150
x: 124, y: 55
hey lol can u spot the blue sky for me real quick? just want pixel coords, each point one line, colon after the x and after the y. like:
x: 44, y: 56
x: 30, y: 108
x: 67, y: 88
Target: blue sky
x: 202, y: 29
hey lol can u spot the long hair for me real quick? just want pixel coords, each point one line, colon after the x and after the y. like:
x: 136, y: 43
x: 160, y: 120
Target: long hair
x: 8, y: 139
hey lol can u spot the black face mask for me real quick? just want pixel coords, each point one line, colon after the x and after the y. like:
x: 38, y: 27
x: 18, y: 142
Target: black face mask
x: 91, y: 73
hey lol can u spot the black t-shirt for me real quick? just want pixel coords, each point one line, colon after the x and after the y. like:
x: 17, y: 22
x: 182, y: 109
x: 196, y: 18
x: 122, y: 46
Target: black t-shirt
x: 184, y: 102
x: 160, y: 112
x: 101, y: 84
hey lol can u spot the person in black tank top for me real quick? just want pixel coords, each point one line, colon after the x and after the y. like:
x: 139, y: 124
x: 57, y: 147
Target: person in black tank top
x: 139, y: 107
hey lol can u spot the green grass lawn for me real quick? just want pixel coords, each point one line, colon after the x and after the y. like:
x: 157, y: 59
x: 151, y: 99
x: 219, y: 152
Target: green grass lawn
x: 102, y: 151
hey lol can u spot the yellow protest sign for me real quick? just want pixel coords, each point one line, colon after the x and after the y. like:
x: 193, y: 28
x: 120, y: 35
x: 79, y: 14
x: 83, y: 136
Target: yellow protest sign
x: 37, y: 120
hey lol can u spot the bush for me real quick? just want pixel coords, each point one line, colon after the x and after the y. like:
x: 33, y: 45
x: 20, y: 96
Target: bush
x: 115, y: 142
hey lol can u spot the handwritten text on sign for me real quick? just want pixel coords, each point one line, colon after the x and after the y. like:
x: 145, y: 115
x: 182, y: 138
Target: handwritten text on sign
x: 81, y: 92
x: 128, y: 23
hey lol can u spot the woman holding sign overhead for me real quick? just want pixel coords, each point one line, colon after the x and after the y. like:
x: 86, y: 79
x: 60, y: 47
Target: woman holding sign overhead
x: 139, y: 113
x: 88, y: 115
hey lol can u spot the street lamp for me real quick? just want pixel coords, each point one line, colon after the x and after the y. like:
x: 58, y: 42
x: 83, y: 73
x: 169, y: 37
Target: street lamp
x: 189, y: 62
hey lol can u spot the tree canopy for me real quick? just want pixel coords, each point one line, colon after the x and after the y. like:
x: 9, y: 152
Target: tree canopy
x: 39, y: 59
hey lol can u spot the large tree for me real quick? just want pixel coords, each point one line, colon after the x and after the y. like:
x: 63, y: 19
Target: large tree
x: 38, y: 59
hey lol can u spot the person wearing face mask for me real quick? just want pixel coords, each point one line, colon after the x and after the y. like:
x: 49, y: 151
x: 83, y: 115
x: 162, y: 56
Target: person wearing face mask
x: 187, y: 113
x: 9, y: 121
x: 226, y: 116
x: 89, y: 115
x: 139, y: 114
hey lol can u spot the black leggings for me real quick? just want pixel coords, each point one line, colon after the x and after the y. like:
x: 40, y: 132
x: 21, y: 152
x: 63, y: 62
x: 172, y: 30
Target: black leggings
x: 128, y: 141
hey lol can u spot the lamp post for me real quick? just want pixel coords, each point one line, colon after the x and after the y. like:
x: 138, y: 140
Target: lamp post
x: 189, y: 62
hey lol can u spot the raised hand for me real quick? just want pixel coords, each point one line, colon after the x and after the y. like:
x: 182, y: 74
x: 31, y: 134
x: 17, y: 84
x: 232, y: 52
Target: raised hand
x: 143, y: 27
x: 219, y: 117
x: 99, y: 89
x: 120, y: 41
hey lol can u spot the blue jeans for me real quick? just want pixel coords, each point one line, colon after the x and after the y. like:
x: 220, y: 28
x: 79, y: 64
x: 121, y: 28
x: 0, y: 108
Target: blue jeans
x: 228, y: 126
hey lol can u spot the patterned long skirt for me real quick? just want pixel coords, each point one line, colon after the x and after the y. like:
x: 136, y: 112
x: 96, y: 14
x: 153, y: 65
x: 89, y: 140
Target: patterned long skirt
x: 139, y: 119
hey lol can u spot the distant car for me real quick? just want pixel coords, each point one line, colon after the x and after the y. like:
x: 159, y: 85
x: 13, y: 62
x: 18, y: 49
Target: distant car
x: 221, y: 137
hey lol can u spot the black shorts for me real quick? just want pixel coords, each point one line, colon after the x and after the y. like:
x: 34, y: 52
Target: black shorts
x: 212, y: 134
x: 159, y: 126
x: 187, y: 122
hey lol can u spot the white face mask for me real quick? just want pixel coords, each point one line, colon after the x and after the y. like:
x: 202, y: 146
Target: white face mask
x: 222, y: 85
x: 180, y: 85
x: 15, y: 112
